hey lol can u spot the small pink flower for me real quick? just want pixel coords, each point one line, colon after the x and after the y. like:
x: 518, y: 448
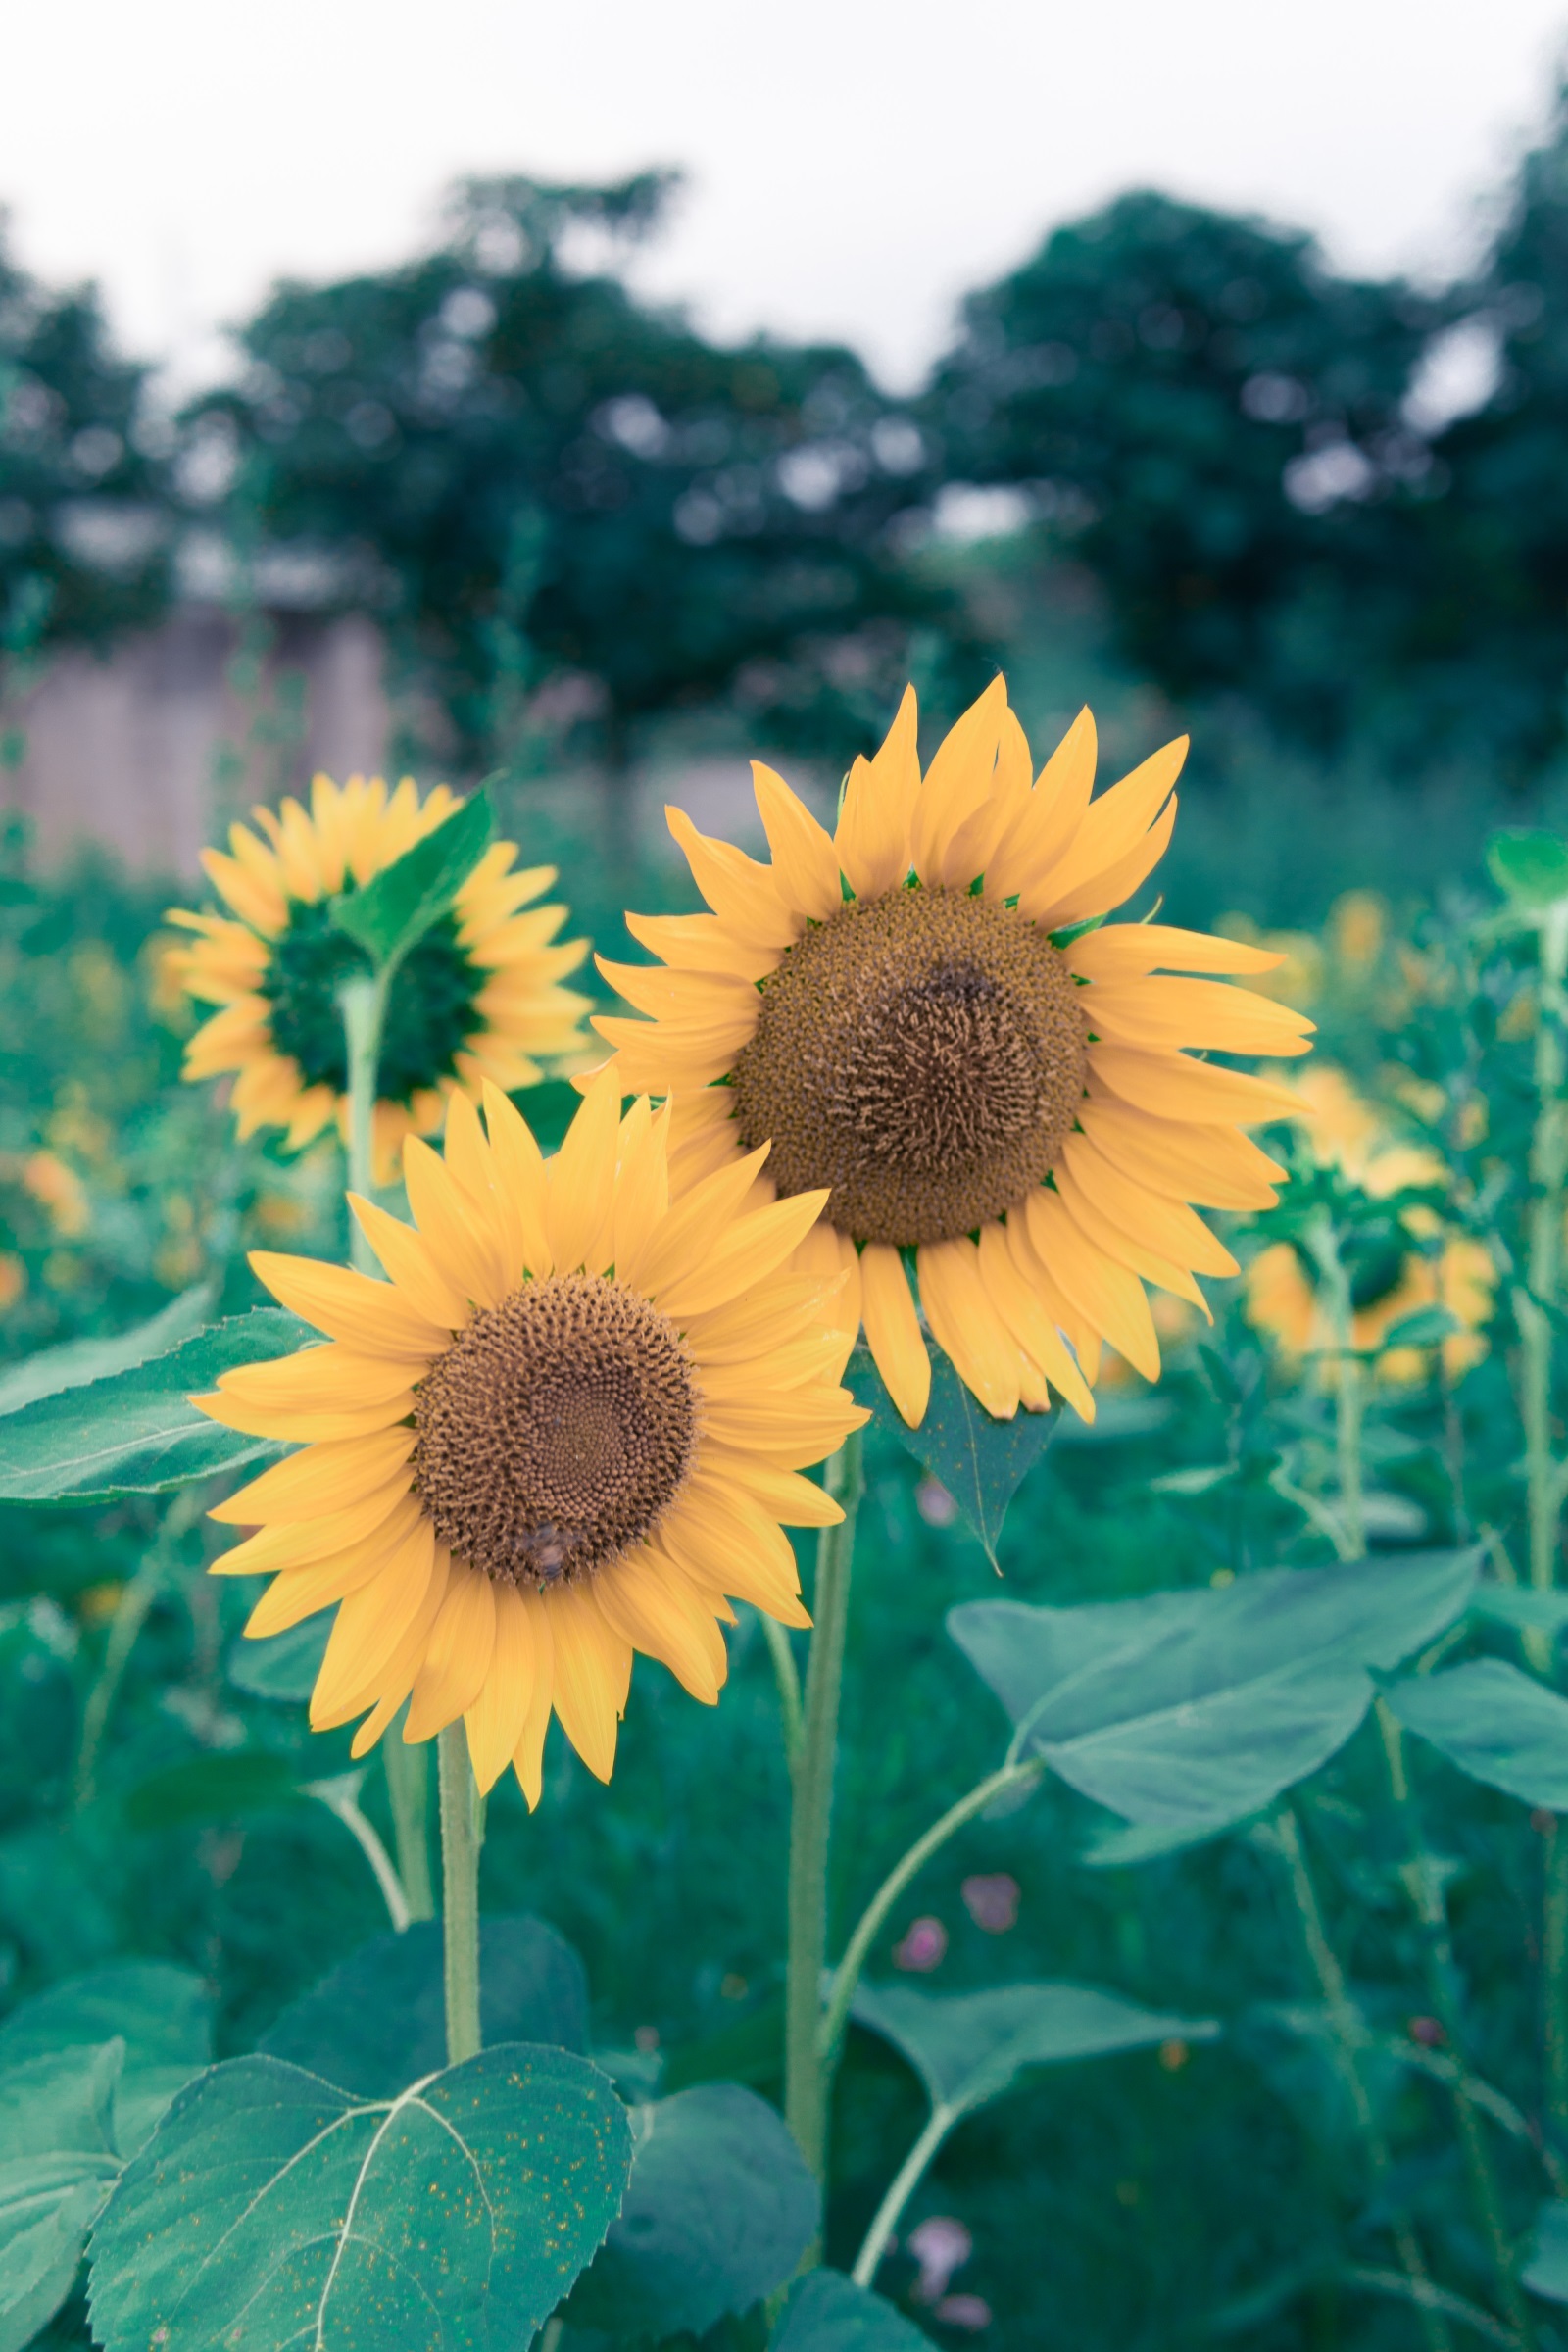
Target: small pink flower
x: 971, y: 2312
x: 934, y: 1504
x: 992, y: 1901
x: 924, y: 1946
x: 941, y: 2246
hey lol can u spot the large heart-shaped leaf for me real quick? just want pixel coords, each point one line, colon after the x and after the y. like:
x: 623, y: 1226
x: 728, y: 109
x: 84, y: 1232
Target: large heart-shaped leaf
x: 397, y: 907
x: 135, y: 1432
x: 379, y: 2022
x: 1497, y: 1725
x: 1193, y: 1709
x: 271, y: 2208
x: 719, y: 2209
x: 980, y: 1461
x: 828, y: 2313
x: 971, y: 2047
x: 58, y: 2159
x: 77, y: 1361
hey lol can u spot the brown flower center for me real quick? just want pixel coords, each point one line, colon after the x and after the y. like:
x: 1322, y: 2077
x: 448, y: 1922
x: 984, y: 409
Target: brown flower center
x: 921, y: 1053
x: 556, y: 1430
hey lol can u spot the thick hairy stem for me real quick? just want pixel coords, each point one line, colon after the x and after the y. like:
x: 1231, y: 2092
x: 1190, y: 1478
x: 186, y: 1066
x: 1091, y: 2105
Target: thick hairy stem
x: 1347, y: 2036
x: 461, y: 1838
x: 811, y: 1818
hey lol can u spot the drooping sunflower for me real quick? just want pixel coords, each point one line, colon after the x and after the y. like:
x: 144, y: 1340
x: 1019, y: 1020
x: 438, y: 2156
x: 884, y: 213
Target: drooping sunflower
x: 568, y: 1426
x: 920, y: 1013
x: 479, y: 997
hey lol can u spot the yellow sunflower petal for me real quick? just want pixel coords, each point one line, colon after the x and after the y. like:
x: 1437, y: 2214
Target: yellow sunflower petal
x: 496, y: 1719
x: 1168, y: 1227
x: 580, y: 1178
x: 872, y: 841
x: 967, y: 1326
x: 590, y: 1665
x: 1024, y: 1317
x: 527, y: 1760
x: 893, y: 1330
x: 1129, y: 950
x: 1123, y: 1249
x: 658, y: 1614
x: 958, y: 780
x: 1211, y: 1165
x: 457, y: 1659
x: 1171, y: 1087
x: 321, y: 1478
x: 1161, y: 1010
x: 1041, y: 832
x: 369, y: 1625
x: 520, y: 1179
x: 1107, y: 1294
x: 429, y: 1291
x: 465, y: 1257
x: 742, y: 894
x: 806, y: 864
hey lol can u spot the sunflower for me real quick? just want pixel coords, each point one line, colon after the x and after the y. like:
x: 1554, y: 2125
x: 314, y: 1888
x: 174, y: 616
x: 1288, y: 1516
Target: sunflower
x: 1399, y: 1257
x: 479, y: 997
x: 565, y: 1429
x: 921, y: 1015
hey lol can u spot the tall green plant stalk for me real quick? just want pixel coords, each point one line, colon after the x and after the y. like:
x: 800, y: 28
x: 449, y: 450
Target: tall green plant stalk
x: 408, y: 1783
x: 1426, y: 1890
x: 1535, y: 1304
x: 1421, y: 1875
x: 461, y: 1835
x: 806, y: 2074
x: 1346, y: 2028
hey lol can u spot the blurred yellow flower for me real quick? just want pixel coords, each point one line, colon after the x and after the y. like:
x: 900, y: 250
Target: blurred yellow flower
x: 1284, y: 1301
x: 1358, y: 923
x: 1346, y: 1133
x: 12, y: 1279
x: 60, y: 1190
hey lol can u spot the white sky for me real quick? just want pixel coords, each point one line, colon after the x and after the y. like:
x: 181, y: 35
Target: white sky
x: 853, y: 164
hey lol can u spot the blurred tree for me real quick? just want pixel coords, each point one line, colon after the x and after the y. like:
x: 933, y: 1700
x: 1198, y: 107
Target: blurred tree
x: 1217, y: 424
x: 83, y: 535
x: 537, y: 481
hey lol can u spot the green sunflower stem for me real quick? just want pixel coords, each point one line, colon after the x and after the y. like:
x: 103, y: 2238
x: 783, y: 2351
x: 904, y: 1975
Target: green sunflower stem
x: 363, y: 1002
x: 461, y: 1835
x: 806, y: 2074
x: 1535, y: 1300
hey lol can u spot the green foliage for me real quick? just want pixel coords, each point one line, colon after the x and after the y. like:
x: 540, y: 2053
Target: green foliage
x: 378, y: 2023
x: 83, y: 529
x: 398, y: 905
x: 266, y: 2202
x: 1496, y: 1724
x: 970, y: 2048
x: 719, y: 2211
x: 828, y: 2313
x: 136, y: 1432
x: 981, y: 1462
x: 1187, y: 1710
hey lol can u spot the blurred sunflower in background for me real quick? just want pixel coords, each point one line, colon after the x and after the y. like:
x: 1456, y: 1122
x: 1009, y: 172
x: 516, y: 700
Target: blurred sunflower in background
x: 1400, y: 1254
x: 568, y: 1426
x: 921, y: 1015
x: 478, y: 997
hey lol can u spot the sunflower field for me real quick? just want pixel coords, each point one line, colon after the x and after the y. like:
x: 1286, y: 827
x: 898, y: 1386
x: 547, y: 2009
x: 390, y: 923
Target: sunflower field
x: 840, y: 1631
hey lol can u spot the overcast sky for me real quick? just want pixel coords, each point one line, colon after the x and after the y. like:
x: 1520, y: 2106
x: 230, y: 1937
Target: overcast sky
x: 853, y: 164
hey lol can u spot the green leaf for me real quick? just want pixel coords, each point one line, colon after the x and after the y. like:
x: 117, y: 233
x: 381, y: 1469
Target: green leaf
x: 719, y: 2209
x: 163, y: 2013
x: 58, y: 2159
x: 211, y: 1788
x: 1523, y: 1608
x: 1496, y: 1724
x: 396, y: 908
x: 1529, y: 866
x: 1546, y: 2271
x: 77, y: 1362
x: 1427, y: 1327
x: 980, y: 1461
x: 39, y: 2260
x: 828, y: 2313
x: 284, y: 1666
x: 970, y: 2048
x: 270, y: 2208
x: 134, y: 1433
x: 1194, y: 1710
x: 1122, y: 1844
x: 379, y: 2021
